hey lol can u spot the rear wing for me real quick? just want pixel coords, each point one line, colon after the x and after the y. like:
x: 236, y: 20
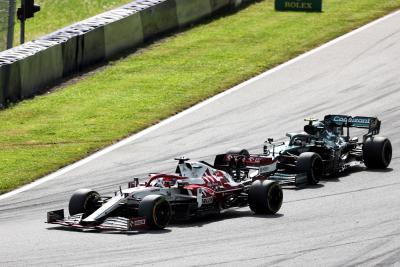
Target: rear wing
x: 233, y: 162
x: 371, y: 123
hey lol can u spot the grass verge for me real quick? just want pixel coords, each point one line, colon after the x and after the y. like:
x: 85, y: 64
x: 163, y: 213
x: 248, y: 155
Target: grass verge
x: 39, y: 136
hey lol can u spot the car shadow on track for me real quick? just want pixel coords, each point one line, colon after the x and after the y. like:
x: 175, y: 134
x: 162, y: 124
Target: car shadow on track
x: 337, y: 177
x: 226, y: 215
x: 93, y: 231
x: 193, y: 222
x: 380, y: 170
x: 301, y: 187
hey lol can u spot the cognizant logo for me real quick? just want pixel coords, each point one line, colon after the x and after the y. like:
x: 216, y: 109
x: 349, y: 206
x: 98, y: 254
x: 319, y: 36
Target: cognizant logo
x: 351, y: 120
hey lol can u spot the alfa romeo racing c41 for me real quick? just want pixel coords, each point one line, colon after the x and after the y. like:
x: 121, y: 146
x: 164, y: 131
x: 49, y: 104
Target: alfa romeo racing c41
x: 195, y: 189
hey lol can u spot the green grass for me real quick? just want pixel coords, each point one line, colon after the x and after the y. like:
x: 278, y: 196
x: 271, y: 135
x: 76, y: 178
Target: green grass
x: 41, y: 135
x: 56, y: 14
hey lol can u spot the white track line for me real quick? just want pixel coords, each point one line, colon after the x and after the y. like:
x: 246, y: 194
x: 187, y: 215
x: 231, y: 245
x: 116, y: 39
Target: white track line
x: 188, y: 111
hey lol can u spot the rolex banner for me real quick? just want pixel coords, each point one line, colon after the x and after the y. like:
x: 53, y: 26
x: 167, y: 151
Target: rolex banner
x: 299, y: 5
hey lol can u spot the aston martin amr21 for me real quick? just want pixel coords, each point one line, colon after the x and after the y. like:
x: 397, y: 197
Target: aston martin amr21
x: 326, y: 147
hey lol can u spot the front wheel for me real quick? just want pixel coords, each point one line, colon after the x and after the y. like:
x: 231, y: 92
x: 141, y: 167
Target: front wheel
x: 311, y: 164
x: 377, y: 152
x: 157, y: 211
x: 265, y: 197
x: 83, y: 201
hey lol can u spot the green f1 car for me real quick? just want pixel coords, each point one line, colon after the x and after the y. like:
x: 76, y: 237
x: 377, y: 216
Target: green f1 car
x: 326, y: 147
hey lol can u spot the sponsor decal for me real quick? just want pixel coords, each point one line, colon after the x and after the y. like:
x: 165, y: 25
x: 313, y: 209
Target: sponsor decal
x: 136, y: 223
x: 298, y: 5
x: 207, y: 200
x: 258, y: 161
x: 355, y: 120
x: 254, y: 160
x: 139, y: 222
x: 301, y: 5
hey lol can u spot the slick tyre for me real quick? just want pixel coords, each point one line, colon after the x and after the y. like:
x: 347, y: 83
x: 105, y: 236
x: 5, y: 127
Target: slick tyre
x: 265, y: 197
x: 83, y: 201
x: 311, y: 164
x: 377, y: 152
x: 156, y: 210
x: 238, y: 151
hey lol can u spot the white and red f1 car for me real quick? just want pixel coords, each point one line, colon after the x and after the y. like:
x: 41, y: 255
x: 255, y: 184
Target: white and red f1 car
x: 196, y: 188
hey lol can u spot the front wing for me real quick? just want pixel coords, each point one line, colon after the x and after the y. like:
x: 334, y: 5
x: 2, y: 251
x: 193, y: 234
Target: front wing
x: 109, y: 224
x: 297, y: 179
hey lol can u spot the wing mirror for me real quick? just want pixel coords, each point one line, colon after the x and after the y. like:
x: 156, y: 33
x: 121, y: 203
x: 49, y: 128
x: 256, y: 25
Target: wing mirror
x: 133, y: 184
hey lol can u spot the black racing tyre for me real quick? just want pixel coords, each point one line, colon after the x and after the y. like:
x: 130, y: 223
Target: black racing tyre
x: 377, y: 152
x: 311, y: 164
x: 157, y: 211
x: 238, y: 151
x: 83, y: 201
x: 265, y: 197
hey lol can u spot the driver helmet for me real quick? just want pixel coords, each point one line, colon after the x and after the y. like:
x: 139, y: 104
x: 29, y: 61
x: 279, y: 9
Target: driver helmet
x: 319, y: 127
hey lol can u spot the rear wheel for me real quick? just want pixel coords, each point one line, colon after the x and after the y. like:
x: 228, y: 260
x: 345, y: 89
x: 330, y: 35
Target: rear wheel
x: 265, y: 197
x: 310, y: 163
x: 156, y: 210
x: 83, y: 201
x: 377, y: 152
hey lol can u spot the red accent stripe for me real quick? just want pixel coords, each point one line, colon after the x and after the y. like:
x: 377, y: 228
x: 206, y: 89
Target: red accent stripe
x: 213, y: 179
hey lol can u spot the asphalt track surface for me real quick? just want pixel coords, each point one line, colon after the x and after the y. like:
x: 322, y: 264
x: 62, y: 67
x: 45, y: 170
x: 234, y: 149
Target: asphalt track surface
x: 351, y: 219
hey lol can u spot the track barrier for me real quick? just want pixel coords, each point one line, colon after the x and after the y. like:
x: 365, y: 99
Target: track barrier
x: 29, y: 69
